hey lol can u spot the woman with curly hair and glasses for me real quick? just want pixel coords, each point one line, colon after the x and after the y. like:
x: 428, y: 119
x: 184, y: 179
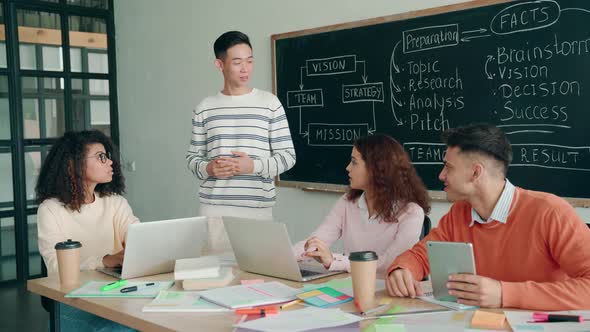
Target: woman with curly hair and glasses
x: 79, y: 190
x: 382, y: 211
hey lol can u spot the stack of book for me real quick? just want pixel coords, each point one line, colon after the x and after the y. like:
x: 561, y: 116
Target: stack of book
x: 202, y: 273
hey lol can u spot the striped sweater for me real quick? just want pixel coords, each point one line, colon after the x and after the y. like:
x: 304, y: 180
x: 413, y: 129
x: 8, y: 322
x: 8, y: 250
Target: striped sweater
x: 254, y: 123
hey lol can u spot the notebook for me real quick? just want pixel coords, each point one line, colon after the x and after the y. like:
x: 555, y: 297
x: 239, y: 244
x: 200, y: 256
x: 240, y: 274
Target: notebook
x: 243, y: 296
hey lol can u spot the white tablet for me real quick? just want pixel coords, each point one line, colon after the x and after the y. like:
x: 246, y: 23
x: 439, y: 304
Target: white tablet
x: 448, y: 258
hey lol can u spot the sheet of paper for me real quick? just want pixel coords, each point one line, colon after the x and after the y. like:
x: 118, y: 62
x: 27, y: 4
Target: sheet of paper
x: 301, y: 320
x: 241, y: 296
x: 518, y: 320
x: 92, y: 289
x: 181, y: 301
x: 447, y: 304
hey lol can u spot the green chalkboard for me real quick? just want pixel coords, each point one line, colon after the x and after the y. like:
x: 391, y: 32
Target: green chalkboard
x: 521, y: 65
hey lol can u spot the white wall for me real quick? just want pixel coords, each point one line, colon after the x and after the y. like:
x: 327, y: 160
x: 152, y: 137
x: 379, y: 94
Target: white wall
x: 165, y: 66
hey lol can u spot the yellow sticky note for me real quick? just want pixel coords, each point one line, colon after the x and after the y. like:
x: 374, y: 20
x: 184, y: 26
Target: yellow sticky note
x: 310, y: 294
x: 487, y: 320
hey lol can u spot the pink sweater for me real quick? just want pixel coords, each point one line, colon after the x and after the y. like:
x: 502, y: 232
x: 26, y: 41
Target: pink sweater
x: 388, y: 240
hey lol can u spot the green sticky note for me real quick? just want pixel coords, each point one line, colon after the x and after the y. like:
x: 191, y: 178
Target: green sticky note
x: 172, y: 295
x: 330, y: 291
x: 390, y: 328
x: 340, y: 283
x: 386, y: 321
x: 529, y: 327
x: 389, y: 320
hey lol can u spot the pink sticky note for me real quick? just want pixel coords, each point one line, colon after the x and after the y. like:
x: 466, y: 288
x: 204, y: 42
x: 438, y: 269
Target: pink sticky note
x: 328, y: 298
x: 252, y: 282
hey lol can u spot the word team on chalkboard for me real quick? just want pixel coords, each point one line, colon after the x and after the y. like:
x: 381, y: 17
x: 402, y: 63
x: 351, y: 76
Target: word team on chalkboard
x: 521, y: 65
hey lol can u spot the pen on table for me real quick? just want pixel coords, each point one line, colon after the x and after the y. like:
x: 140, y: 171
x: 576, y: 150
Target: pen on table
x: 433, y: 311
x: 540, y: 317
x: 258, y: 311
x: 370, y: 311
x: 288, y: 304
x: 137, y: 287
x: 113, y: 285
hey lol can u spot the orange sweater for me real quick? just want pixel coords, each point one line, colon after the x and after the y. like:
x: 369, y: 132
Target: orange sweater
x: 541, y: 255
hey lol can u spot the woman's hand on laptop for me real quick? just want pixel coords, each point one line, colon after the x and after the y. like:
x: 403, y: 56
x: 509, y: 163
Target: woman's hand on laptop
x: 113, y: 260
x: 401, y: 283
x: 319, y: 251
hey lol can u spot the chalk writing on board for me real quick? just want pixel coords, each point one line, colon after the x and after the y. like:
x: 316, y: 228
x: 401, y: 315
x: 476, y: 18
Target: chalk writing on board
x: 425, y: 90
x: 335, y: 134
x: 521, y: 65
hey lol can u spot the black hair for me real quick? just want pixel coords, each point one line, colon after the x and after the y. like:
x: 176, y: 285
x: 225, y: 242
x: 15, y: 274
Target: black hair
x: 62, y: 173
x: 481, y: 138
x: 227, y: 41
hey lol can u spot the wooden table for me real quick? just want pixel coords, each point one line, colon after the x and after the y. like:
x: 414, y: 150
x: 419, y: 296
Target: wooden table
x: 127, y: 311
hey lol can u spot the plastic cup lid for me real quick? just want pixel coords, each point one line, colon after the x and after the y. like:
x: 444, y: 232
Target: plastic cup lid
x: 69, y: 244
x: 360, y: 256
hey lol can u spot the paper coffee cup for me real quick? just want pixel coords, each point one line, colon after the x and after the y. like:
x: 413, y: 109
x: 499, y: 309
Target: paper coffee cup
x: 363, y: 268
x: 68, y: 262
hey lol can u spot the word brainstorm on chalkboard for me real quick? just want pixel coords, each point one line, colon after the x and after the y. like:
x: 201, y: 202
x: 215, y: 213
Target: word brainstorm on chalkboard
x: 523, y: 66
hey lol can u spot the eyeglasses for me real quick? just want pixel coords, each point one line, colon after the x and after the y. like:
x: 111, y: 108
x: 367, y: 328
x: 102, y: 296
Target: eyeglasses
x: 102, y: 157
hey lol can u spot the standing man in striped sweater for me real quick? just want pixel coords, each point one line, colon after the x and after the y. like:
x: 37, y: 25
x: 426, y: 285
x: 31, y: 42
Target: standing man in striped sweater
x: 240, y: 142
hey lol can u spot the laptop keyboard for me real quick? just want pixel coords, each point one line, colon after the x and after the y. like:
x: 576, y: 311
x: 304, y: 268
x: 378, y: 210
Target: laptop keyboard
x: 307, y: 273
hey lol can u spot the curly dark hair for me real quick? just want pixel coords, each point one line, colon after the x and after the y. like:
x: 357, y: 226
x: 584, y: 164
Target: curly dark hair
x: 393, y: 178
x: 62, y: 174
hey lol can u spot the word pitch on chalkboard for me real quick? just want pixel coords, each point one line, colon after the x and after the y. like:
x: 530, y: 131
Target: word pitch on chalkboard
x: 521, y: 65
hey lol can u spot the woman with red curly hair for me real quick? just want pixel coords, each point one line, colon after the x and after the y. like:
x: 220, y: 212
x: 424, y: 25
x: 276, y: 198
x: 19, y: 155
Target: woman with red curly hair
x: 383, y: 210
x: 79, y: 188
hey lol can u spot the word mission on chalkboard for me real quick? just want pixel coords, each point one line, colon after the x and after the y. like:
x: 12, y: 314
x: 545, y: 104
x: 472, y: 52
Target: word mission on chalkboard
x: 521, y: 65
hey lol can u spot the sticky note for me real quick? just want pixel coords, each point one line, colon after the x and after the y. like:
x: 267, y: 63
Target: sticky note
x: 522, y: 327
x: 316, y: 301
x: 390, y: 328
x: 330, y: 291
x: 252, y: 282
x: 324, y: 297
x: 487, y: 320
x: 309, y: 294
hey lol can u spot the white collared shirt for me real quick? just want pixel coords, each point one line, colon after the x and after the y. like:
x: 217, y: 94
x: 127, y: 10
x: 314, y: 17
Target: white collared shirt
x: 364, y: 211
x: 501, y: 210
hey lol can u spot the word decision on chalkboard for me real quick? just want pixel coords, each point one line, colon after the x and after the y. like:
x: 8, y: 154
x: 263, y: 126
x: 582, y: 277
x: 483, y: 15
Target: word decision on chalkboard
x: 521, y: 65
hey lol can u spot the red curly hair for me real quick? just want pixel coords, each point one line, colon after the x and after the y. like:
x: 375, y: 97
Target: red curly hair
x: 392, y: 177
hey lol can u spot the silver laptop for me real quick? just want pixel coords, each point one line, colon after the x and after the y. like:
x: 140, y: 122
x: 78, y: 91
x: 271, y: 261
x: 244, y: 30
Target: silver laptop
x: 153, y: 247
x: 264, y: 247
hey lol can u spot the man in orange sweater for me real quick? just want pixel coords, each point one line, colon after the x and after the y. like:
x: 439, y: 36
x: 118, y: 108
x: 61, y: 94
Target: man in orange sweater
x: 532, y: 250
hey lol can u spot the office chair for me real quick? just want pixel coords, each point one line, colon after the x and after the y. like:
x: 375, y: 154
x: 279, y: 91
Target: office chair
x: 426, y: 227
x: 47, y: 303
